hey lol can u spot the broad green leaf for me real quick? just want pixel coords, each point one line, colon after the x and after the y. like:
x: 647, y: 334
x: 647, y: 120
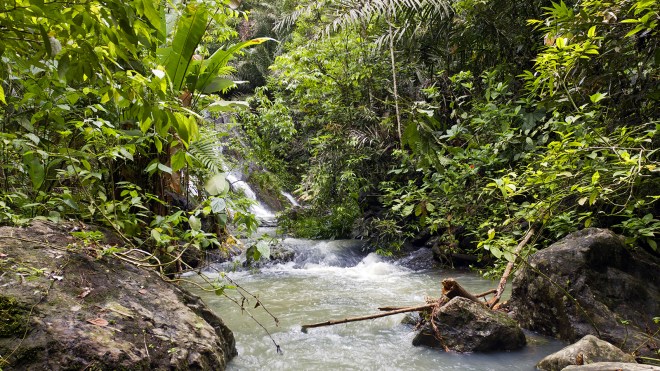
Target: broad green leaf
x: 217, y: 185
x: 218, y: 84
x: 218, y: 205
x: 219, y: 60
x: 164, y: 168
x: 595, y: 98
x: 178, y: 161
x: 195, y: 223
x: 35, y: 139
x: 145, y: 125
x: 264, y: 249
x: 155, y: 234
x: 189, y: 32
x: 491, y: 234
x: 125, y: 153
x: 508, y: 256
x: 595, y: 178
x: 158, y: 144
x: 2, y: 95
x: 70, y: 202
x: 35, y: 169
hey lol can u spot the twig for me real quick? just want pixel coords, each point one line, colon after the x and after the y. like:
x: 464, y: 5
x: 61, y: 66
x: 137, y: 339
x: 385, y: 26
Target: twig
x: 509, y: 268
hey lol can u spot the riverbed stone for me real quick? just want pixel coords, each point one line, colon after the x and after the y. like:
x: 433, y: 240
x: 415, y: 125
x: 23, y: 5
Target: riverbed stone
x: 590, y: 283
x: 589, y: 349
x: 466, y: 326
x: 612, y: 366
x: 70, y: 309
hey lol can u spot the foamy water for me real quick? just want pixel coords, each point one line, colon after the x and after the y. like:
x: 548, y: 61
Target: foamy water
x: 334, y: 280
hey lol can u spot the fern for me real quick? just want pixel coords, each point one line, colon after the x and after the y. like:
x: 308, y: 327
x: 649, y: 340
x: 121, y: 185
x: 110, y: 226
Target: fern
x: 206, y: 152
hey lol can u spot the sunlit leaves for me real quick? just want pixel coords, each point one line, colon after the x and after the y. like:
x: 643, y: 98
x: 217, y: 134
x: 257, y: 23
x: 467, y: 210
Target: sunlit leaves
x: 217, y: 185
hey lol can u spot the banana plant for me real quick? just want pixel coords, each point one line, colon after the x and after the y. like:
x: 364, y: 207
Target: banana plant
x: 192, y: 76
x: 188, y: 72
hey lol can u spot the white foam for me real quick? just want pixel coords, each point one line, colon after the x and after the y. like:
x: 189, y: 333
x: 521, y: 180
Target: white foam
x: 258, y: 209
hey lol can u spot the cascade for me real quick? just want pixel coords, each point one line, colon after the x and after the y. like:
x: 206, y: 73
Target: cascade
x: 265, y: 216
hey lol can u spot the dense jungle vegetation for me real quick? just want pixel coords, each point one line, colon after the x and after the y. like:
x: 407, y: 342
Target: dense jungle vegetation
x: 393, y: 120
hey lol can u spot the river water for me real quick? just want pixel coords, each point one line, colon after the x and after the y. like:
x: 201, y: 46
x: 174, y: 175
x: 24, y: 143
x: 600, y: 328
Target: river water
x: 334, y: 280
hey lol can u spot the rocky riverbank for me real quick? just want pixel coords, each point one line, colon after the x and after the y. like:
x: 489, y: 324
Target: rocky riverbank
x: 64, y: 306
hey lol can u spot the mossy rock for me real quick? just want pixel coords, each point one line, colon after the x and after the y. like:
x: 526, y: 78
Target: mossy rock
x: 12, y: 317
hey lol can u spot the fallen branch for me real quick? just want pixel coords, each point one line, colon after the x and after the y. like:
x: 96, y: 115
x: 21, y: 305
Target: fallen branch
x: 486, y: 293
x: 371, y: 316
x: 509, y: 268
x: 451, y: 289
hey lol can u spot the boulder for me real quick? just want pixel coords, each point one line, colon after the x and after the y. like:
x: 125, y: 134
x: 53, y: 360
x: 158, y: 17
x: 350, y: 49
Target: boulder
x: 466, y: 326
x: 420, y: 259
x: 589, y: 283
x: 279, y: 254
x: 589, y: 349
x: 612, y: 366
x: 64, y: 307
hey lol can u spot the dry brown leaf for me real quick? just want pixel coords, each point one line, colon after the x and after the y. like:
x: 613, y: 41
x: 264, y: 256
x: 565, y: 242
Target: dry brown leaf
x: 85, y: 292
x: 3, y: 255
x: 143, y: 292
x: 98, y: 322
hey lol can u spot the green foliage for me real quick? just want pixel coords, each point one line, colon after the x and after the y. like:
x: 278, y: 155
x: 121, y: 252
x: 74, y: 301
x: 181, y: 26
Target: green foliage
x: 100, y: 118
x: 505, y: 125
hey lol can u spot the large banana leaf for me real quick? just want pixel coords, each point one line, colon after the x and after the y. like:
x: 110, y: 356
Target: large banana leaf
x: 207, y: 81
x: 189, y: 31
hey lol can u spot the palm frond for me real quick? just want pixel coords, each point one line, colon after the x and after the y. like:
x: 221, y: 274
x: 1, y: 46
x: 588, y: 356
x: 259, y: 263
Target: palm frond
x: 408, y: 17
x: 410, y: 12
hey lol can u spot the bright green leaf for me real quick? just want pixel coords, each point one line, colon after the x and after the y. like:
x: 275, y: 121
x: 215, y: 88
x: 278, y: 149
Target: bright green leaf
x: 195, y: 223
x: 217, y: 185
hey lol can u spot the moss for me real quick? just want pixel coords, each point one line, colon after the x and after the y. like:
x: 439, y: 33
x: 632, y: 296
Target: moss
x: 12, y: 317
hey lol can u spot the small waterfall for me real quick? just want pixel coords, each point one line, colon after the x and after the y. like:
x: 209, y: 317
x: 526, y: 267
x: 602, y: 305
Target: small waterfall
x: 265, y: 216
x: 291, y: 199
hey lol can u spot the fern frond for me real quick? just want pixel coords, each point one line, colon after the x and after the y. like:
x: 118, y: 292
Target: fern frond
x: 206, y: 152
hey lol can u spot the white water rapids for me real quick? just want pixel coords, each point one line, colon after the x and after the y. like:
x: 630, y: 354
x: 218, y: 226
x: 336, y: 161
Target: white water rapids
x: 334, y: 280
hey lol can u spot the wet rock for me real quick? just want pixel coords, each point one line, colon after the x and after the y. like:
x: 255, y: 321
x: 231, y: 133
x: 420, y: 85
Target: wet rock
x: 84, y: 312
x: 411, y: 319
x: 281, y: 254
x: 589, y: 283
x: 466, y: 326
x: 612, y: 366
x: 418, y: 260
x: 589, y: 349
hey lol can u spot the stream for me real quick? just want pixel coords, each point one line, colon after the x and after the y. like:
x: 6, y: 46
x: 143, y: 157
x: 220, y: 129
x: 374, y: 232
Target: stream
x: 334, y: 280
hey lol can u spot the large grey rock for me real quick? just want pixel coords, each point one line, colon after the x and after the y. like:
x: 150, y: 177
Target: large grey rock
x: 589, y: 283
x: 62, y: 309
x: 612, y: 366
x: 589, y: 349
x: 466, y: 326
